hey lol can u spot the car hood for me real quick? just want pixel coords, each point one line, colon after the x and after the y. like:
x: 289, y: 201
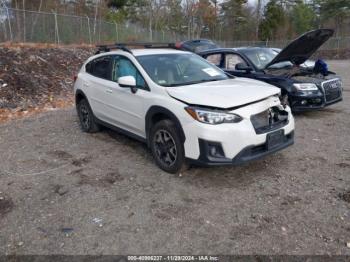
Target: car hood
x: 302, y: 48
x: 223, y: 94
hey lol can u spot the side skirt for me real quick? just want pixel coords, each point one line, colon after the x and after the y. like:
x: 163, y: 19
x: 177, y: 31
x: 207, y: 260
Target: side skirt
x: 121, y: 131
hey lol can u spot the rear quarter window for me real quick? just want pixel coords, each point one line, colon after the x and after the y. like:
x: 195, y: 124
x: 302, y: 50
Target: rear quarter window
x: 88, y: 67
x: 215, y: 59
x: 100, y: 67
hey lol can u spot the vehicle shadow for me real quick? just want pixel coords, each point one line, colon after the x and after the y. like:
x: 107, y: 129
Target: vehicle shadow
x: 241, y: 176
x: 318, y: 113
x: 218, y: 177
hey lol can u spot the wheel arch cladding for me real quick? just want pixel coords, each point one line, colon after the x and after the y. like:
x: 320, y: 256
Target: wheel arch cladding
x: 79, y: 95
x: 158, y: 113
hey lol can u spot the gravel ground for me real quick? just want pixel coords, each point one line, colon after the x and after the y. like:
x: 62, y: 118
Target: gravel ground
x: 66, y: 192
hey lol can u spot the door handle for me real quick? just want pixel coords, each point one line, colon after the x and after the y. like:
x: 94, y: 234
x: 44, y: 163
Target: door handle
x: 109, y: 91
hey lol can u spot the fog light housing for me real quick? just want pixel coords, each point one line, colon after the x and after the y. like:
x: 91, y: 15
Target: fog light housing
x: 215, y: 150
x: 303, y: 102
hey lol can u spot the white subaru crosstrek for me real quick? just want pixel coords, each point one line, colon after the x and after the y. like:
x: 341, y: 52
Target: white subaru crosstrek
x: 186, y: 109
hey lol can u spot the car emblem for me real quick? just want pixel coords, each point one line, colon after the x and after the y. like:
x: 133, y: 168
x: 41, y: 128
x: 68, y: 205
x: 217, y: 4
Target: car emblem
x: 334, y: 85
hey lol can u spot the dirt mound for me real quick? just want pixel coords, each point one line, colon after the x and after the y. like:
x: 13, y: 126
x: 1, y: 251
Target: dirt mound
x: 32, y: 78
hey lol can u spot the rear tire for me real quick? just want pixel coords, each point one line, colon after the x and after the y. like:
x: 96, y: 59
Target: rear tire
x: 166, y: 146
x: 86, y: 117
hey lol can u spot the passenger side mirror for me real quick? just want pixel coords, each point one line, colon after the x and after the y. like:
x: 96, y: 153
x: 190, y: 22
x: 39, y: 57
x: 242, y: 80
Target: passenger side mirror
x: 243, y: 67
x: 127, y: 81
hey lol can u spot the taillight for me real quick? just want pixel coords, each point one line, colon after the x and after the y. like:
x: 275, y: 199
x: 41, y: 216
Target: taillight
x: 75, y: 78
x: 178, y: 45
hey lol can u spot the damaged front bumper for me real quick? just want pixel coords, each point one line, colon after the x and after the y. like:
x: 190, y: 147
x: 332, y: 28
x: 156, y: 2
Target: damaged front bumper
x: 246, y: 155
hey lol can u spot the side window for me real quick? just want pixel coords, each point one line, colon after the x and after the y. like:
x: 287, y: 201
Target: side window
x: 100, y: 67
x: 231, y: 60
x: 215, y: 59
x: 88, y: 67
x: 122, y: 66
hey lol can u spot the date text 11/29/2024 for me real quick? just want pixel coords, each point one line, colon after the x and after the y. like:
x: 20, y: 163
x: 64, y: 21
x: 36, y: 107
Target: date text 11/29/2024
x: 173, y: 258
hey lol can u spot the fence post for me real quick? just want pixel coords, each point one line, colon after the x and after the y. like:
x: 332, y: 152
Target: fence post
x: 9, y: 22
x: 116, y: 30
x: 88, y: 20
x: 24, y: 25
x: 56, y: 29
x: 5, y: 31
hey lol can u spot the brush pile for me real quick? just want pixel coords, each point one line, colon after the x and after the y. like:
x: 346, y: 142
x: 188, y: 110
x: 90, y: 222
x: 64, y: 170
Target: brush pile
x: 32, y: 77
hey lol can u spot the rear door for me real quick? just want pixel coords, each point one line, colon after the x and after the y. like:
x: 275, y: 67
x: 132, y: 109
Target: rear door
x: 96, y: 83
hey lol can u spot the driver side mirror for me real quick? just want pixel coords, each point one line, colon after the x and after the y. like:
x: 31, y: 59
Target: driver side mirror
x: 128, y: 82
x: 243, y: 67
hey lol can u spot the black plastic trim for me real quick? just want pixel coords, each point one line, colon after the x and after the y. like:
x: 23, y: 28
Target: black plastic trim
x: 205, y: 157
x: 121, y: 130
x: 79, y: 92
x: 247, y: 154
x: 153, y: 110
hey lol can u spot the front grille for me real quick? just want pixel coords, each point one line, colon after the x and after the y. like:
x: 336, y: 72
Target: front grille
x: 269, y: 120
x: 332, y: 89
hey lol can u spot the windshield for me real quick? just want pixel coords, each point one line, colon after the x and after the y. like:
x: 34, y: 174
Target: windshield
x: 180, y: 69
x: 260, y: 57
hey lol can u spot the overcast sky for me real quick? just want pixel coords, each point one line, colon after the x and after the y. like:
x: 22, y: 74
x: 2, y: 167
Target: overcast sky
x: 254, y: 2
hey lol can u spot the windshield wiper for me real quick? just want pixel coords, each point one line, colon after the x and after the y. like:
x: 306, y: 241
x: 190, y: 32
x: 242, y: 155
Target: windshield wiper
x: 195, y: 82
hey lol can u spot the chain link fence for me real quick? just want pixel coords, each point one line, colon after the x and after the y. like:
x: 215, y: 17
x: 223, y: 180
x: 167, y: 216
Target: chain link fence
x: 41, y: 27
x: 334, y: 43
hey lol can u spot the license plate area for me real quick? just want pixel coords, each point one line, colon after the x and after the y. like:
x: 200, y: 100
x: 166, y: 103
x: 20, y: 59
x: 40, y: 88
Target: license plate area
x: 274, y: 139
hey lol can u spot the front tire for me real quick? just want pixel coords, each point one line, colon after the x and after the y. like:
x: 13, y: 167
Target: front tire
x: 166, y: 146
x: 86, y: 117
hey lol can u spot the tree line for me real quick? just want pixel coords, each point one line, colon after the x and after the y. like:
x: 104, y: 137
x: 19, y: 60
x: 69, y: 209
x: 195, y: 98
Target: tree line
x: 226, y: 20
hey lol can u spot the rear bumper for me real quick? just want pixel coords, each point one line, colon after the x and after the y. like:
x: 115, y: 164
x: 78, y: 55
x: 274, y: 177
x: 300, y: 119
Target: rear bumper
x: 248, y: 154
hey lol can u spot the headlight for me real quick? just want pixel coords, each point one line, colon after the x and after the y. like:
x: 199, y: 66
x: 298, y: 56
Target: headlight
x: 306, y: 87
x: 213, y: 117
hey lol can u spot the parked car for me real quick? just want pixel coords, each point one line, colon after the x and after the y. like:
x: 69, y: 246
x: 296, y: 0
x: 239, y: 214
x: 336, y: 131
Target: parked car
x: 197, y: 45
x: 302, y: 88
x: 186, y: 109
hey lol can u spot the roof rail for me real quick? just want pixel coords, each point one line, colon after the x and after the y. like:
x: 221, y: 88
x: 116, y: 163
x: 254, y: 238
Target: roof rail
x: 107, y: 48
x: 149, y: 44
x: 123, y: 46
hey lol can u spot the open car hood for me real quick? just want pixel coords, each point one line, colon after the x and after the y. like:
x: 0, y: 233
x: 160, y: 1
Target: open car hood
x: 302, y: 48
x: 225, y: 93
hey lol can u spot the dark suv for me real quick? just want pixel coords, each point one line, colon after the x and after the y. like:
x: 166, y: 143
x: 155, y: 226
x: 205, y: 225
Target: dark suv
x: 303, y: 88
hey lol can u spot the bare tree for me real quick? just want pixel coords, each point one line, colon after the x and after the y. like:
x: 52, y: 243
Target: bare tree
x: 36, y: 19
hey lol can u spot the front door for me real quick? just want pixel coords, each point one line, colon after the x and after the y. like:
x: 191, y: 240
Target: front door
x: 230, y: 60
x: 127, y: 108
